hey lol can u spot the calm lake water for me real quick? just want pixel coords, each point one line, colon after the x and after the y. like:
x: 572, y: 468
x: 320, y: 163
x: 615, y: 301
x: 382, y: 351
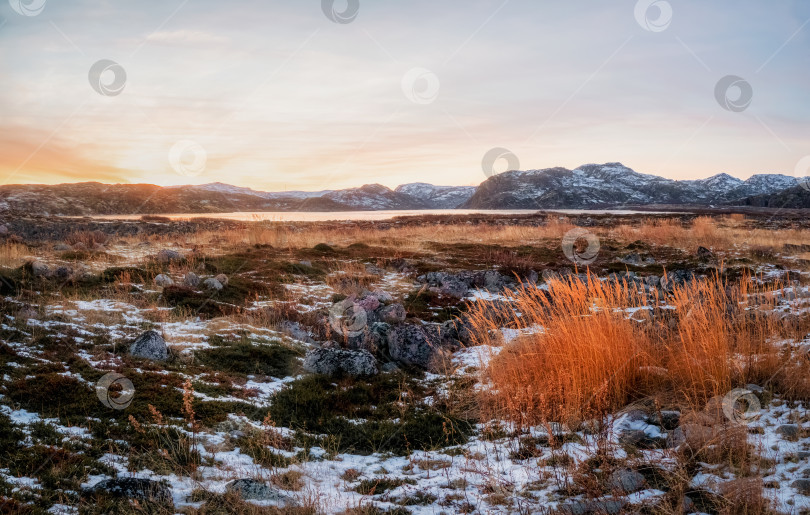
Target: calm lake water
x: 307, y: 216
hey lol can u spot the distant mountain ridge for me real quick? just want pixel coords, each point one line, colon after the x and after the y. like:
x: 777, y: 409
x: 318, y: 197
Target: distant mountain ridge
x: 591, y: 186
x: 612, y: 185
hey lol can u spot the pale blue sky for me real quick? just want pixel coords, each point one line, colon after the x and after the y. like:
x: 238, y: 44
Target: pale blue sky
x: 279, y: 96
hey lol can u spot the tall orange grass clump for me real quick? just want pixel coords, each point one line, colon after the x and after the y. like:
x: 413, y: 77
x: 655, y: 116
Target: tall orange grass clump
x: 594, y: 346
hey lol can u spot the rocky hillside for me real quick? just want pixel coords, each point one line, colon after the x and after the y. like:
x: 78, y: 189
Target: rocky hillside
x: 613, y: 185
x: 796, y: 197
x: 609, y: 185
x: 92, y: 198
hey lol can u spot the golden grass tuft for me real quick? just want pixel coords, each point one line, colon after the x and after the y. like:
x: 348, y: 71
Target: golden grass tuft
x: 607, y: 343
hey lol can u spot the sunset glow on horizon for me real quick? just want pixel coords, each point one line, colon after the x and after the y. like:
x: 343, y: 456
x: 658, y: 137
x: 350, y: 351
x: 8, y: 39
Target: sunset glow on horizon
x: 278, y: 96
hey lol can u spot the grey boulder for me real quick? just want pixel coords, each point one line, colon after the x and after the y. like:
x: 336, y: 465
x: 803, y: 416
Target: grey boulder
x: 145, y: 490
x: 40, y: 269
x: 393, y: 314
x: 212, y: 284
x: 150, y: 345
x: 163, y: 280
x: 332, y: 361
x: 414, y: 345
x: 255, y: 490
x: 191, y: 279
x: 222, y: 279
x: 626, y: 481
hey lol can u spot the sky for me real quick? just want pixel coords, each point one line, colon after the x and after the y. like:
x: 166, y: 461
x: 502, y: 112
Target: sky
x: 311, y: 94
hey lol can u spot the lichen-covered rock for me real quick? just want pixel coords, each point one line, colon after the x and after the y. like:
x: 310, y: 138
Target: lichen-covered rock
x: 143, y: 490
x: 40, y: 269
x: 222, y: 279
x: 255, y: 490
x: 150, y: 345
x: 163, y: 280
x: 414, y: 345
x: 212, y: 284
x: 192, y: 280
x: 333, y: 361
x: 369, y: 303
x: 393, y: 314
x: 626, y: 481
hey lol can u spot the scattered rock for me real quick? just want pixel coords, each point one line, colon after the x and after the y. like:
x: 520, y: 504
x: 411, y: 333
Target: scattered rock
x: 413, y: 345
x: 168, y: 256
x: 4, y: 230
x: 255, y: 490
x: 374, y: 270
x: 640, y: 439
x: 789, y: 431
x: 626, y: 481
x: 134, y: 488
x: 448, y: 284
x: 334, y: 361
x: 212, y: 284
x: 40, y: 269
x: 369, y: 303
x: 222, y: 279
x: 393, y: 314
x: 802, y: 485
x: 600, y: 506
x: 382, y: 296
x: 305, y: 262
x: 669, y: 420
x: 191, y: 279
x: 163, y: 280
x: 63, y: 273
x: 150, y: 345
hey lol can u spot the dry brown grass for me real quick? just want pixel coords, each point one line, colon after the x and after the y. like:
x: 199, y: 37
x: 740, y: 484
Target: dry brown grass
x: 593, y: 358
x: 13, y: 255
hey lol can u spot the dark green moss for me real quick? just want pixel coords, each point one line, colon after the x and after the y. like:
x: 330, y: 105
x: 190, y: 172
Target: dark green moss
x: 276, y: 360
x: 317, y: 406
